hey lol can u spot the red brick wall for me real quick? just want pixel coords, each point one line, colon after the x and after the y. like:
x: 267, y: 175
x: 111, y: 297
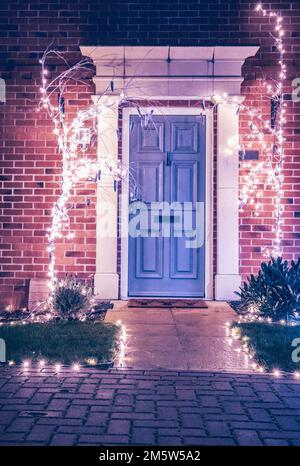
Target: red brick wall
x: 29, y: 160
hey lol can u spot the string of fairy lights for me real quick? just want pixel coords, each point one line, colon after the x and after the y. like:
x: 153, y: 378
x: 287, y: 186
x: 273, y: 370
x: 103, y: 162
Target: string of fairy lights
x: 42, y: 363
x: 233, y: 334
x: 73, y: 138
x: 272, y: 165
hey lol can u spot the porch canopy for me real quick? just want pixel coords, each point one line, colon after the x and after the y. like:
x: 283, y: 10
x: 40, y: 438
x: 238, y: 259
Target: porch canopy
x: 162, y: 72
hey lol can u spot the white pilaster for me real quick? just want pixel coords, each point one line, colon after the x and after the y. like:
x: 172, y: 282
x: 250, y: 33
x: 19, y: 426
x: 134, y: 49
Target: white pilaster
x: 106, y: 277
x: 227, y: 279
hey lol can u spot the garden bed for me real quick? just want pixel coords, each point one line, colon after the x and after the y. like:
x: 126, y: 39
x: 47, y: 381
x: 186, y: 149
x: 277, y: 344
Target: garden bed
x: 271, y: 344
x: 65, y: 342
x: 98, y: 312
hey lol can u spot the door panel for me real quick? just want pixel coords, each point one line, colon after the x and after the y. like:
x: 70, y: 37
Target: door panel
x: 149, y: 253
x: 168, y: 158
x: 184, y: 137
x: 184, y: 181
x: 150, y: 180
x: 183, y: 260
x: 151, y: 138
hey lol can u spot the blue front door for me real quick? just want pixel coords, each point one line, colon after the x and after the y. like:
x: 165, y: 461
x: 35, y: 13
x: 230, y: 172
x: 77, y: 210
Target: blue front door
x: 167, y: 207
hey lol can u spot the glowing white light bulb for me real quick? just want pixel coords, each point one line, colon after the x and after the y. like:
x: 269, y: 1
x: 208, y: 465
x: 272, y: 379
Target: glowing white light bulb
x: 57, y: 367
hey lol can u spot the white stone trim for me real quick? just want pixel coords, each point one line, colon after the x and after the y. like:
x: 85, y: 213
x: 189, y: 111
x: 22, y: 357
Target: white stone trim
x: 209, y: 192
x: 38, y: 291
x: 173, y: 73
x: 106, y: 280
x: 227, y: 279
x: 160, y: 72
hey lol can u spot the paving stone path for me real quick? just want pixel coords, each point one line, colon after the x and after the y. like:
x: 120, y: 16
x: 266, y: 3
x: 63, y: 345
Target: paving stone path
x: 122, y: 406
x: 179, y: 339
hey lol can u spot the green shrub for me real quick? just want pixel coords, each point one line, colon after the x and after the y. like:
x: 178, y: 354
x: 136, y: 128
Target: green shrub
x: 71, y: 296
x: 275, y: 291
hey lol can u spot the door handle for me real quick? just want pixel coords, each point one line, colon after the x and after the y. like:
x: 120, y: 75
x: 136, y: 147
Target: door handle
x: 167, y: 218
x: 169, y: 161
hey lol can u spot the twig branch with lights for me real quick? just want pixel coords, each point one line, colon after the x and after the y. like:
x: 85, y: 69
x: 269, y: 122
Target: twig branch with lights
x: 271, y: 168
x: 73, y: 139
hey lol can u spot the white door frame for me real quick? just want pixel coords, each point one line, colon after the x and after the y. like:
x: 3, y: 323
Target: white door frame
x: 165, y: 111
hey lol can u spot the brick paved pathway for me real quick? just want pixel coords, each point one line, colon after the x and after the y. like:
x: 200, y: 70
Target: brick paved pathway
x: 147, y: 407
